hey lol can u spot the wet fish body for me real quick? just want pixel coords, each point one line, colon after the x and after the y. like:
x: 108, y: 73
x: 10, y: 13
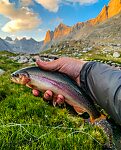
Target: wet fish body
x: 59, y: 83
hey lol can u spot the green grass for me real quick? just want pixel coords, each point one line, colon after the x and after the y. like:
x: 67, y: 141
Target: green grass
x: 94, y: 54
x: 29, y: 123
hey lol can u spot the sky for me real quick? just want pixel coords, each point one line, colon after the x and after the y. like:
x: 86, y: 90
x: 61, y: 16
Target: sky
x: 32, y: 18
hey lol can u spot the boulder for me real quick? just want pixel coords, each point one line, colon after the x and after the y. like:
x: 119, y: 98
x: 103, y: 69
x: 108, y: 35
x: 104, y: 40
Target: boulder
x: 31, y: 61
x: 116, y: 55
x: 15, y: 58
x: 23, y: 59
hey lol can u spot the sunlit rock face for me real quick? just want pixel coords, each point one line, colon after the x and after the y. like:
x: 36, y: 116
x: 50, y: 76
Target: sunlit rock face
x: 114, y: 7
x: 48, y: 37
x: 62, y: 31
x: 103, y: 15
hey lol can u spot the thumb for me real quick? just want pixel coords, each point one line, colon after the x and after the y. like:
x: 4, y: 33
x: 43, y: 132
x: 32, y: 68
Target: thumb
x: 52, y: 65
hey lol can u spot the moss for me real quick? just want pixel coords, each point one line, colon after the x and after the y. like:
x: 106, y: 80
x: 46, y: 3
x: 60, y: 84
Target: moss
x: 27, y: 122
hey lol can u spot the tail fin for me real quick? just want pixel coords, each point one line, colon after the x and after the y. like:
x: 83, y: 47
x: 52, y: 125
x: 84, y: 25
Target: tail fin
x: 93, y: 120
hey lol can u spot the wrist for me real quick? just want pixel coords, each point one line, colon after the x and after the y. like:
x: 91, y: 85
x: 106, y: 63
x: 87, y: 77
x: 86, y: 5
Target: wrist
x: 81, y: 64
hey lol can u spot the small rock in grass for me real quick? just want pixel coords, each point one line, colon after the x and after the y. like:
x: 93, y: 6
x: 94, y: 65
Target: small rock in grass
x: 1, y: 72
x: 116, y: 55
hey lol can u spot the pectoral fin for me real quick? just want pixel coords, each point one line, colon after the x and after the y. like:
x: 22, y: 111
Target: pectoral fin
x: 29, y: 85
x: 79, y: 110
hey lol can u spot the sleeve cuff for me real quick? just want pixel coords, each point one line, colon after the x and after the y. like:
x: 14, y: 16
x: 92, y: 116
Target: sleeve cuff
x: 83, y: 77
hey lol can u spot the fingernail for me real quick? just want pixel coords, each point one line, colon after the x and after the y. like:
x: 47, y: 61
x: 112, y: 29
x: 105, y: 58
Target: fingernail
x: 54, y: 103
x: 47, y: 96
x: 35, y: 92
x: 60, y: 101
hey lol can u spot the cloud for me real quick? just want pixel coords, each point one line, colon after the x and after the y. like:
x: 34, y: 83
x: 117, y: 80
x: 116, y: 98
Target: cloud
x: 80, y: 1
x: 26, y: 2
x: 20, y: 19
x: 53, y: 5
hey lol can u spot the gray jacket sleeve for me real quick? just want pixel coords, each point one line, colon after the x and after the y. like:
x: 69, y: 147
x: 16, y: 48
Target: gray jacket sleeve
x: 103, y: 84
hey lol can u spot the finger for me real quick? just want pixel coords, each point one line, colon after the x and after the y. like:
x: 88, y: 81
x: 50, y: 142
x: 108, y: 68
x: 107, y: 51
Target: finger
x: 60, y: 99
x: 52, y: 65
x: 48, y: 95
x: 36, y: 92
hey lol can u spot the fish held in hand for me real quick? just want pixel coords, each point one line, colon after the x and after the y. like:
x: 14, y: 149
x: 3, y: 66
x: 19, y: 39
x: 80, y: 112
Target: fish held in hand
x: 59, y: 83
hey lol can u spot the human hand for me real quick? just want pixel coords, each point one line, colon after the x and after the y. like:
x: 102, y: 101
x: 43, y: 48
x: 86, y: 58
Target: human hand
x: 69, y: 66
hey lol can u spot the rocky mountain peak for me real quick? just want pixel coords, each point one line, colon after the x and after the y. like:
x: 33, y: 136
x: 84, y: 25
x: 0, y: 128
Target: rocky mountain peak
x: 103, y: 15
x: 62, y: 26
x: 8, y: 38
x: 48, y: 37
x: 31, y: 39
x: 78, y: 26
x: 63, y: 31
x: 23, y: 45
x: 23, y: 39
x: 16, y: 39
x: 114, y: 7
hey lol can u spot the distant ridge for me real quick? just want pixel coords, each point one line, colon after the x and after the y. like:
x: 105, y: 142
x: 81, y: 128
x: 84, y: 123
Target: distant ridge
x: 106, y: 27
x: 20, y: 46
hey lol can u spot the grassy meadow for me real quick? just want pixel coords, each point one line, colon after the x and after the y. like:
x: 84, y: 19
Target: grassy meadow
x: 29, y: 123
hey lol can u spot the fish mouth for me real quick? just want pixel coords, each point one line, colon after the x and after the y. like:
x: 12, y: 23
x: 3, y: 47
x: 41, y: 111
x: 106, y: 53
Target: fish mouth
x: 22, y: 78
x: 14, y: 78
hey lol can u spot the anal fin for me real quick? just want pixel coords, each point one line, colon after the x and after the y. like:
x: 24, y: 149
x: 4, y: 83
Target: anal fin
x: 79, y: 110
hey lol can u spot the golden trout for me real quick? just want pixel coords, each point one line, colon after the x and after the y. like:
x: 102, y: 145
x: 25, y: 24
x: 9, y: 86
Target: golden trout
x: 59, y: 83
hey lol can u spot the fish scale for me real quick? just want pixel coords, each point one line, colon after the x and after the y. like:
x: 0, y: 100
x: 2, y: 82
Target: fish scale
x: 59, y: 83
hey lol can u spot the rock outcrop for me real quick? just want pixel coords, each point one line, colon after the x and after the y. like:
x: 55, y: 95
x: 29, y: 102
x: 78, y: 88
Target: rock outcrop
x: 48, y: 37
x: 2, y: 72
x: 78, y: 26
x: 62, y: 31
x: 114, y: 7
x: 103, y: 15
x: 8, y: 38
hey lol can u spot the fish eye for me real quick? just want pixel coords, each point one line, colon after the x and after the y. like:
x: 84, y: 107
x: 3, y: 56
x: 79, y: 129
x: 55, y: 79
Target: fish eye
x: 16, y: 75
